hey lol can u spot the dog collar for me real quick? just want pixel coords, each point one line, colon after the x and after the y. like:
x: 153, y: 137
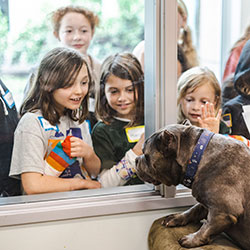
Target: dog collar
x: 196, y: 157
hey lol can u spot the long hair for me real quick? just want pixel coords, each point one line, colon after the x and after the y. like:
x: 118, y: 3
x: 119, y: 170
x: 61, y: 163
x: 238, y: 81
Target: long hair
x: 192, y: 79
x: 58, y: 69
x: 185, y: 39
x: 125, y: 66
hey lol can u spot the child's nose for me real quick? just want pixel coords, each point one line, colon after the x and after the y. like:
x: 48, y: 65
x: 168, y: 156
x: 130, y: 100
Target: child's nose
x: 196, y: 106
x: 78, y: 89
x: 122, y: 96
x: 77, y: 35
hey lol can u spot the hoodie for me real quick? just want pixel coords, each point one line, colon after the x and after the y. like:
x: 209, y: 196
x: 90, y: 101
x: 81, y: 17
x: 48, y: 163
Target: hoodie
x: 232, y: 112
x: 8, y: 122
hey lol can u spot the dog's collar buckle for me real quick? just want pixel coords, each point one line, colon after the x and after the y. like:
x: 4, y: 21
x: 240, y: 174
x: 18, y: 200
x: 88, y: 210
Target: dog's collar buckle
x: 196, y: 157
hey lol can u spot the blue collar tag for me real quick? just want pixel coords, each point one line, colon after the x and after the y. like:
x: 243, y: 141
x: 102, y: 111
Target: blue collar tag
x: 196, y: 157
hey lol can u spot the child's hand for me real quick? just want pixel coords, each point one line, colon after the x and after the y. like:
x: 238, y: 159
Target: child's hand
x: 79, y: 148
x: 77, y: 184
x: 208, y: 118
x: 138, y: 146
x: 89, y: 184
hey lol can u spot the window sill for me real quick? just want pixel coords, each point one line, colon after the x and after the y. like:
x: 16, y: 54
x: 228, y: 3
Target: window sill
x: 82, y: 204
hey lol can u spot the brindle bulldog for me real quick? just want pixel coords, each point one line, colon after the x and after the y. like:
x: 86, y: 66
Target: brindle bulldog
x: 215, y: 167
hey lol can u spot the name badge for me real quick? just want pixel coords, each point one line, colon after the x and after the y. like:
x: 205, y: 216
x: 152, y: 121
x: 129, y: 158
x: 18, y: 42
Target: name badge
x: 134, y: 133
x: 46, y: 125
x: 91, y: 104
x: 9, y: 99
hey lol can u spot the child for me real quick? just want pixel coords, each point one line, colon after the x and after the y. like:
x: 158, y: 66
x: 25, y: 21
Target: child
x: 8, y: 122
x: 74, y: 27
x: 118, y: 137
x: 199, y: 98
x: 235, y: 111
x: 52, y: 140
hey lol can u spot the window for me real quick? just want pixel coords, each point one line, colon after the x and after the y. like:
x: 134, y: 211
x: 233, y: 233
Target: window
x: 160, y: 89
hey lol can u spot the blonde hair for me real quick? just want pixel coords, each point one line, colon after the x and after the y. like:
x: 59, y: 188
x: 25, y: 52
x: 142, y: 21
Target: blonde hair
x: 192, y: 79
x: 185, y: 39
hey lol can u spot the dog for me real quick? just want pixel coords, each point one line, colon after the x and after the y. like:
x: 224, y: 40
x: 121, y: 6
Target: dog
x: 220, y: 182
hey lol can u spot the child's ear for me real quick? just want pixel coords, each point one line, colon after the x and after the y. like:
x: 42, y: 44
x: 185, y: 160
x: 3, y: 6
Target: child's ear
x: 186, y: 122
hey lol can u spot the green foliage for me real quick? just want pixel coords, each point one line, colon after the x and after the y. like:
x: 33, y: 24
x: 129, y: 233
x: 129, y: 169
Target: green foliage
x: 30, y: 44
x: 116, y: 34
x: 122, y: 33
x: 3, y: 35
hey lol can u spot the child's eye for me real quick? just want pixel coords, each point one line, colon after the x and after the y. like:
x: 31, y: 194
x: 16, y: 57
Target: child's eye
x: 130, y: 89
x: 84, y: 31
x: 188, y: 99
x: 84, y: 82
x: 68, y: 31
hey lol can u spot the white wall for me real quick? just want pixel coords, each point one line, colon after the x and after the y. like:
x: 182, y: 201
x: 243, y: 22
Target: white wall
x: 114, y: 232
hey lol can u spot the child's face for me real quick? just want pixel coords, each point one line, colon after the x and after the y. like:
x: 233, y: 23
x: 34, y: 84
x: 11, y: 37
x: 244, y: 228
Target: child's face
x: 120, y: 96
x: 72, y: 97
x: 194, y: 99
x: 75, y: 32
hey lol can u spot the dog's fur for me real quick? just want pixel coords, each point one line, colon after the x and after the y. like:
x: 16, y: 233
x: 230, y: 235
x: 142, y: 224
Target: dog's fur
x: 221, y: 185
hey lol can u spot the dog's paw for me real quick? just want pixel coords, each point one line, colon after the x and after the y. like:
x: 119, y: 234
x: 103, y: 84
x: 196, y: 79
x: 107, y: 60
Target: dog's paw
x: 192, y: 240
x: 174, y: 220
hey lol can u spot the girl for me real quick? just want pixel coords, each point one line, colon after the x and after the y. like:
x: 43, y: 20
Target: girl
x: 118, y: 137
x: 199, y: 99
x: 185, y: 35
x: 52, y: 140
x: 74, y: 27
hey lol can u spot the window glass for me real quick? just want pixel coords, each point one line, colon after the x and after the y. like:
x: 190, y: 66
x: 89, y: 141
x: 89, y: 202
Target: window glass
x: 27, y: 35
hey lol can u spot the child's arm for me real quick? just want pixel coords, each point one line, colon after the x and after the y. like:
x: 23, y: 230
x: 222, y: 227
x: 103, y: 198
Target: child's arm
x: 36, y: 183
x: 79, y: 148
x: 124, y: 170
x: 209, y: 119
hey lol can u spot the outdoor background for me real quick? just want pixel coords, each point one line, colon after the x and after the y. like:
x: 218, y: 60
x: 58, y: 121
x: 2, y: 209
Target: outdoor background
x: 26, y: 34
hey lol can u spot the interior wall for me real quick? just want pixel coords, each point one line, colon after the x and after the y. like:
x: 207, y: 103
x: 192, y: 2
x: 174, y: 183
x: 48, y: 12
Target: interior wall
x: 114, y: 232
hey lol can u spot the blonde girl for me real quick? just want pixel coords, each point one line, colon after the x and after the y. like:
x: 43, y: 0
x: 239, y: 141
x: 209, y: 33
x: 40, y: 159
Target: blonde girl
x: 199, y: 99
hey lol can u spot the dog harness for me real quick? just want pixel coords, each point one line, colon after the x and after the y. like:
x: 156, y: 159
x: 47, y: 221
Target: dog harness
x: 196, y: 157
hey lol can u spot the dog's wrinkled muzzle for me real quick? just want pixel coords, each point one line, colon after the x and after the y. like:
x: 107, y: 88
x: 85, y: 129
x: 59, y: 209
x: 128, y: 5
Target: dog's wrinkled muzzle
x: 142, y: 170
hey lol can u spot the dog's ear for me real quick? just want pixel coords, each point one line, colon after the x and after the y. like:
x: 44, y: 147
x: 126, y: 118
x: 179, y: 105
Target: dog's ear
x: 166, y: 143
x: 186, y: 122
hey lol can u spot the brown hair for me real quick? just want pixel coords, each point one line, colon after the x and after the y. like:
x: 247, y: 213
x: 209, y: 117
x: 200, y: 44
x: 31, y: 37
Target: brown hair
x: 58, y: 69
x: 58, y: 14
x: 125, y: 66
x: 185, y: 40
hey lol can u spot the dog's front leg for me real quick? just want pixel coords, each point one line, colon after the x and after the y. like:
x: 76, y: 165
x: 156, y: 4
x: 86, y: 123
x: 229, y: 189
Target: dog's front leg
x: 194, y: 214
x: 216, y: 223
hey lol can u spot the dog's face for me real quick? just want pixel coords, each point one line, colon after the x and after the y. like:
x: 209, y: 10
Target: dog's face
x: 158, y: 163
